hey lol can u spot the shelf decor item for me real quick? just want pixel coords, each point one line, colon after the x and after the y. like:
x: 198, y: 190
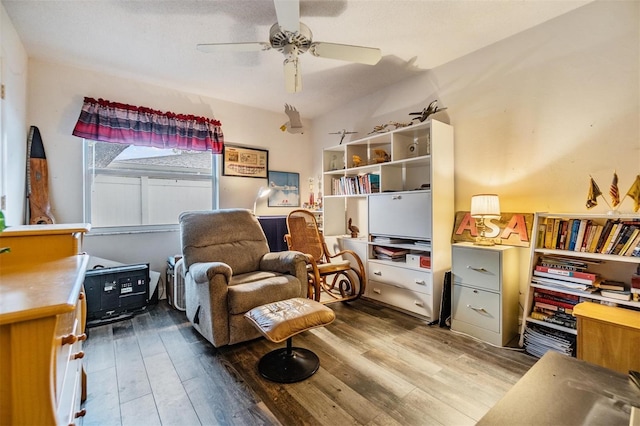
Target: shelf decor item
x: 484, y: 206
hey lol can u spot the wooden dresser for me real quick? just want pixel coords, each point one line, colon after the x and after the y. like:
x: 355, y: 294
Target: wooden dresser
x: 42, y: 318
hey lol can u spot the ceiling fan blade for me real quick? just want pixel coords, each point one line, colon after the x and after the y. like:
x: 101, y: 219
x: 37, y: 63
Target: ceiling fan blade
x: 346, y: 52
x: 233, y: 47
x: 292, y: 76
x: 288, y: 13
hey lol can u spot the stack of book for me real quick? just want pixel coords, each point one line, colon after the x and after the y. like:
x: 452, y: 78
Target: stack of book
x: 390, y: 253
x: 614, y: 290
x: 539, y: 340
x: 565, y: 272
x: 554, y: 307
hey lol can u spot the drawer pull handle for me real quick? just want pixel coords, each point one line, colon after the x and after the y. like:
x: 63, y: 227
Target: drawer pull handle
x: 377, y: 291
x: 421, y: 282
x: 81, y: 413
x: 476, y: 269
x: 396, y: 197
x: 477, y: 309
x: 78, y: 355
x: 379, y: 273
x: 81, y: 295
x: 69, y: 339
x: 418, y: 303
x: 82, y: 337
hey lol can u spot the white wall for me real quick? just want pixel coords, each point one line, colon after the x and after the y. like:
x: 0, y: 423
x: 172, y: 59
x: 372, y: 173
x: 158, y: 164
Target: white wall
x: 13, y: 119
x: 55, y: 97
x: 534, y: 115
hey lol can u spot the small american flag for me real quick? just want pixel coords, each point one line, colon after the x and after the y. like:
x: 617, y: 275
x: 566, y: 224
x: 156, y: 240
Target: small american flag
x: 613, y: 191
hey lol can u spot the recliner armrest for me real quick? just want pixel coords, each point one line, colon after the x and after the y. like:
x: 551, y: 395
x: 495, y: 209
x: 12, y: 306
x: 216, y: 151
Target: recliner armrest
x: 204, y: 272
x: 284, y: 262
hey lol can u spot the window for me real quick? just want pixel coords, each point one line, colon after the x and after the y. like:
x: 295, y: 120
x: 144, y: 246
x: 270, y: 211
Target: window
x: 136, y: 186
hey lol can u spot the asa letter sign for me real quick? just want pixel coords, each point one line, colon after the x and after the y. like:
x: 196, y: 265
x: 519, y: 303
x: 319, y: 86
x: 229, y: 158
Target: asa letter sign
x: 512, y: 229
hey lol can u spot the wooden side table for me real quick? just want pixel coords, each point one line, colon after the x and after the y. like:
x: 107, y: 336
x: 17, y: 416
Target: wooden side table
x: 608, y: 336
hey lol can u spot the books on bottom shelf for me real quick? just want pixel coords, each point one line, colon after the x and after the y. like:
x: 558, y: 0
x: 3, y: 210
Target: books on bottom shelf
x: 539, y: 339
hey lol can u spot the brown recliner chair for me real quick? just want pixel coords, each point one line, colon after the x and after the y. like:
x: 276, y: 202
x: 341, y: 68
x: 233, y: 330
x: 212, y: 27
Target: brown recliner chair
x: 229, y: 271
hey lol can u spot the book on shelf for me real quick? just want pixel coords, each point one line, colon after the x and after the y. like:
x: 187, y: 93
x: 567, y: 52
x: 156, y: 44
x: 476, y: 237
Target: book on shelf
x: 565, y: 262
x: 393, y: 258
x: 634, y: 241
x: 389, y: 240
x: 567, y: 273
x: 618, y: 295
x: 623, y: 237
x: 554, y: 319
x: 555, y: 233
x: 573, y: 236
x: 557, y: 294
x: 391, y: 251
x: 576, y: 280
x: 549, y: 303
x: 595, y: 239
x: 606, y: 248
x: 611, y: 285
x: 561, y: 284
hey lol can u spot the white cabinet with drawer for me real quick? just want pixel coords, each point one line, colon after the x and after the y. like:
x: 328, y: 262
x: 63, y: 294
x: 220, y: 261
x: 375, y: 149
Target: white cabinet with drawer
x: 485, y: 292
x: 397, y: 187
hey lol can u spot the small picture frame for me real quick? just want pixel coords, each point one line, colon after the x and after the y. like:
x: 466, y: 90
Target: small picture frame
x: 285, y: 189
x: 245, y: 162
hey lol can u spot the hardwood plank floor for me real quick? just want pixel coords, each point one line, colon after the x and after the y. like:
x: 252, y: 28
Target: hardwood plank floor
x: 378, y: 367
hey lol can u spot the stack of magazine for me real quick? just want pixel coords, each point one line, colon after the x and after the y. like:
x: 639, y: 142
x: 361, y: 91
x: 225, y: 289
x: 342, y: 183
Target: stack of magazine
x: 539, y: 340
x: 390, y: 253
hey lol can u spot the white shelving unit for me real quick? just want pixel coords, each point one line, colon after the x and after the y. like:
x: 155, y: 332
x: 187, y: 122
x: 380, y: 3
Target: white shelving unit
x: 608, y: 266
x: 413, y: 200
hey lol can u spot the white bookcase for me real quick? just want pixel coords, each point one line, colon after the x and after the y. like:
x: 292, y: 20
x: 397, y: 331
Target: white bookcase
x: 607, y: 266
x: 413, y: 201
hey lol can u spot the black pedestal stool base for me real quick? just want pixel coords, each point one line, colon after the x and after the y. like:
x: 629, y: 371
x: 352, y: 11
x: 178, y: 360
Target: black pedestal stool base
x: 288, y: 365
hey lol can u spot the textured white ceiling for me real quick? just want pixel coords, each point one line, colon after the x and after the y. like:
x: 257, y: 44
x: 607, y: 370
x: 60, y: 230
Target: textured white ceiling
x: 156, y: 40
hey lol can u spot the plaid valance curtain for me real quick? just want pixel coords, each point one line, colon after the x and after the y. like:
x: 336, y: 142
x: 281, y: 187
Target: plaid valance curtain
x: 105, y: 121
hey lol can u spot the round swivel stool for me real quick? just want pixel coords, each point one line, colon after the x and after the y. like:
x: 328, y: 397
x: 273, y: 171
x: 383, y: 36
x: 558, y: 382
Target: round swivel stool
x: 281, y: 321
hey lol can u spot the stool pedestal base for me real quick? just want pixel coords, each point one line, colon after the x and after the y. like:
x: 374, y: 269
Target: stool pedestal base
x: 288, y: 365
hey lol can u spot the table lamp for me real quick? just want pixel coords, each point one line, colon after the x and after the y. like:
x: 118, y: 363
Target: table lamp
x: 262, y: 192
x: 484, y: 206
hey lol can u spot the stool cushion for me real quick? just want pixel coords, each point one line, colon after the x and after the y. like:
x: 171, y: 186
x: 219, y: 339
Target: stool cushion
x: 280, y: 320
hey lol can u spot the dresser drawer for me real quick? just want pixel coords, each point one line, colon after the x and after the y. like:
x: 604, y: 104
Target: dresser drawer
x: 402, y: 214
x: 402, y: 298
x: 410, y: 279
x: 477, y: 268
x: 477, y: 307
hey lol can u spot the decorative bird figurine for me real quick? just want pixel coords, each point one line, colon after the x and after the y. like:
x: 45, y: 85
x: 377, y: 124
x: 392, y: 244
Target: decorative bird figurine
x: 294, y: 125
x: 342, y: 132
x: 426, y: 112
x: 354, y: 229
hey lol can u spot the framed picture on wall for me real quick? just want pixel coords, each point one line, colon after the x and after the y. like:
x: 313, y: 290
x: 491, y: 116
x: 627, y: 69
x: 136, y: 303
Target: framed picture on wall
x: 245, y: 162
x: 285, y: 189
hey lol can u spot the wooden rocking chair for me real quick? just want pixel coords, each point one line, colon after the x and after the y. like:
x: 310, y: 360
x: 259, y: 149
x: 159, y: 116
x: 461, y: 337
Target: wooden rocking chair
x: 328, y: 274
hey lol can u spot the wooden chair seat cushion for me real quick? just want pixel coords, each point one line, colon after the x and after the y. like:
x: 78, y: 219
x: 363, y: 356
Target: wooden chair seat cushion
x: 337, y: 266
x: 280, y: 320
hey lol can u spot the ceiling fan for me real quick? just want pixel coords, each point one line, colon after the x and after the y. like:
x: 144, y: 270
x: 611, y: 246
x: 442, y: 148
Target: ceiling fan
x: 293, y: 38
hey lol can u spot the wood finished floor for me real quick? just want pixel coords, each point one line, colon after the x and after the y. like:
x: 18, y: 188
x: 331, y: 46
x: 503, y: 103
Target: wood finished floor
x: 378, y: 367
